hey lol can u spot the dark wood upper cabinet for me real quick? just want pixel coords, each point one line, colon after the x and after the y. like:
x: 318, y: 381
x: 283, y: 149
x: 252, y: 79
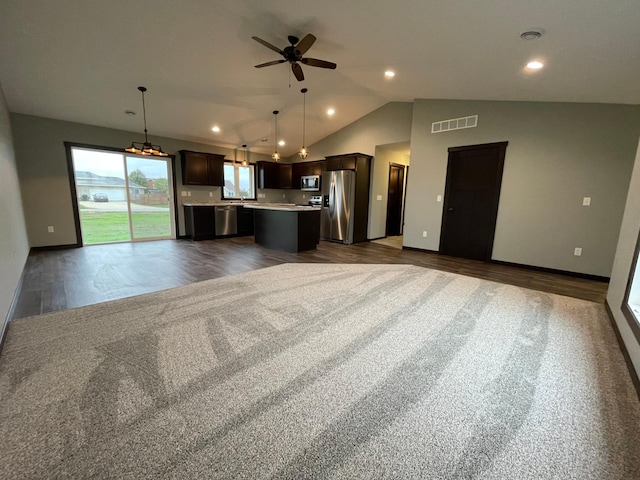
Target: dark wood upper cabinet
x: 268, y: 173
x: 275, y: 175
x: 202, y: 168
x: 341, y: 162
x: 284, y: 175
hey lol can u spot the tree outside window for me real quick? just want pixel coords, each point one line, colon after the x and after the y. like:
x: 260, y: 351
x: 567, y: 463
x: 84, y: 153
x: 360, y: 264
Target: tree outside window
x: 239, y: 181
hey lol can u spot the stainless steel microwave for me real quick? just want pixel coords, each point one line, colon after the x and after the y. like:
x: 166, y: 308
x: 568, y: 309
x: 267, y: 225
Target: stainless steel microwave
x: 310, y: 183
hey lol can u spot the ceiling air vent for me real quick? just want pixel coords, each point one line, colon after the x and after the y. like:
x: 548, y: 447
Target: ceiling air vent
x: 454, y: 124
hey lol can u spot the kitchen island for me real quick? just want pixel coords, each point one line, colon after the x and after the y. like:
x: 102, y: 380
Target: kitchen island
x: 289, y: 228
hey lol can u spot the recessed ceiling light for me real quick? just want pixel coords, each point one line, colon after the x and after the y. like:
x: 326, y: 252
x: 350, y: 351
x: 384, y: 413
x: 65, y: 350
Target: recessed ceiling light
x: 535, y: 65
x: 216, y: 129
x: 281, y: 143
x: 331, y: 111
x: 389, y: 74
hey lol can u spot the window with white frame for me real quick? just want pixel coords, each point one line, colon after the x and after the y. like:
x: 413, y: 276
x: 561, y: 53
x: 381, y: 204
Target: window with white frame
x: 631, y: 302
x: 239, y: 181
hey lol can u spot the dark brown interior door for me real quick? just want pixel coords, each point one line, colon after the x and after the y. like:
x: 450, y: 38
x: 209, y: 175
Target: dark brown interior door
x: 394, y: 200
x: 472, y: 192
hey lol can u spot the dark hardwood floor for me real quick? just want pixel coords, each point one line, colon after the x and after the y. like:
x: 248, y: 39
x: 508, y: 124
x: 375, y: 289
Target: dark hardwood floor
x: 60, y: 279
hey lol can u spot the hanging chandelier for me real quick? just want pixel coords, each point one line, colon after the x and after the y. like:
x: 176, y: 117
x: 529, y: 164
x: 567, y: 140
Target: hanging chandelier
x: 145, y: 148
x: 276, y: 155
x: 244, y: 159
x: 304, y: 153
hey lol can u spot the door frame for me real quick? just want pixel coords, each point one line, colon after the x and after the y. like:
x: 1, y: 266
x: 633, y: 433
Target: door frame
x: 502, y: 148
x: 403, y: 193
x: 68, y: 146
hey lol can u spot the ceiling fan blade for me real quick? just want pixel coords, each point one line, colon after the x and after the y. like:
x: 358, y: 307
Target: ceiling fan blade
x: 305, y: 44
x: 274, y: 62
x: 268, y: 45
x: 314, y: 62
x: 297, y: 71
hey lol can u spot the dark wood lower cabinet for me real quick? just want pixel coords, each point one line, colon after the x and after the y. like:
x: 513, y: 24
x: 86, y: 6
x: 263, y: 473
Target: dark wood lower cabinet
x: 200, y: 222
x: 245, y: 221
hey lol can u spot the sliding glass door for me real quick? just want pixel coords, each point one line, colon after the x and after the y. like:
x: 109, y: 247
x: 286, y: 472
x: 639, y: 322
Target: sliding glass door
x: 123, y: 197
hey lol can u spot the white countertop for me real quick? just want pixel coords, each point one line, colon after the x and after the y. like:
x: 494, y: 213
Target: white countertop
x: 210, y: 204
x: 288, y: 207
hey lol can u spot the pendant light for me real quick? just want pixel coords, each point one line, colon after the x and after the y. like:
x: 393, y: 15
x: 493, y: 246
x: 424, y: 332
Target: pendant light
x: 145, y: 148
x: 244, y: 159
x: 304, y: 153
x: 276, y: 155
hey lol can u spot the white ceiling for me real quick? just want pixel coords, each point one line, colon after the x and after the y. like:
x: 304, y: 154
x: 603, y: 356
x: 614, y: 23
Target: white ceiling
x: 82, y: 61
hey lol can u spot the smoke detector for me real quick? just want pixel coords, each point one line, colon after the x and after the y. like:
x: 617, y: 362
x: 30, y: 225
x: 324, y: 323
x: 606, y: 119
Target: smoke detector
x: 532, y: 34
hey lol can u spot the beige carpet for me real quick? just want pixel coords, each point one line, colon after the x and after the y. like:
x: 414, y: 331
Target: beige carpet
x: 321, y: 371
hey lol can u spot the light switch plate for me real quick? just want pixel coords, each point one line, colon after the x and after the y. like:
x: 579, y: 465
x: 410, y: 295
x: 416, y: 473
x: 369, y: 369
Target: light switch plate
x: 183, y: 193
x: 577, y: 251
x: 379, y: 197
x: 586, y: 201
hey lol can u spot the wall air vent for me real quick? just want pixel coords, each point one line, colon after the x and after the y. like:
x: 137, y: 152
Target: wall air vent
x: 454, y: 124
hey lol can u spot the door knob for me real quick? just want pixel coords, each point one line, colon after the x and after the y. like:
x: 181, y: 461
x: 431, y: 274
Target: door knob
x: 450, y: 209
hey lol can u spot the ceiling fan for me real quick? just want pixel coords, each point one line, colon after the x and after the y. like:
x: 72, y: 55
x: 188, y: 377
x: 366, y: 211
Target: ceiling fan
x: 294, y: 54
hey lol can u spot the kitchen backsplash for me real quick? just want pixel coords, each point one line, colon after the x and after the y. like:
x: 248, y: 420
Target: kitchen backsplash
x: 213, y: 194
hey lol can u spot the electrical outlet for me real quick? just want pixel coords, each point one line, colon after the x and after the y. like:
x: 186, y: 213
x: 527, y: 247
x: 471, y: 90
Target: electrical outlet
x: 284, y: 195
x: 211, y: 194
x: 183, y: 193
x: 304, y: 196
x: 50, y: 229
x: 424, y: 233
x: 188, y: 194
x: 379, y: 197
x: 439, y: 198
x: 586, y: 201
x: 577, y: 251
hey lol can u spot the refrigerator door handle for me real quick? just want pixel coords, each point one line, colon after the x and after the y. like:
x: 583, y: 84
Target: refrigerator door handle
x: 332, y: 199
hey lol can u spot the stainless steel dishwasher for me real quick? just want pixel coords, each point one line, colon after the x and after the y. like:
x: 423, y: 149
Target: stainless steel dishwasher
x: 226, y: 220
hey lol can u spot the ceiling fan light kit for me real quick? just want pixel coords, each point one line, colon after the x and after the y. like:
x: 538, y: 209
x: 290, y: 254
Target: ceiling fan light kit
x: 146, y: 147
x: 294, y: 54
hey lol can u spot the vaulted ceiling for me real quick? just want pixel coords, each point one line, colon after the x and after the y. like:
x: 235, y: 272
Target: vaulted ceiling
x: 82, y: 61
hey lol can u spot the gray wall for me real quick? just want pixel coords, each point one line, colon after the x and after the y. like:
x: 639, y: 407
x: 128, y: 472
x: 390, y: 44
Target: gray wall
x: 44, y: 179
x: 385, y: 155
x: 557, y: 154
x: 14, y: 245
x: 390, y: 123
x: 622, y: 263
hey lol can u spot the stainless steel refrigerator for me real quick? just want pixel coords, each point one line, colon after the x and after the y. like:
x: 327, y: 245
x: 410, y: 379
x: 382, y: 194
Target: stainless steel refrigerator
x: 338, y: 199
